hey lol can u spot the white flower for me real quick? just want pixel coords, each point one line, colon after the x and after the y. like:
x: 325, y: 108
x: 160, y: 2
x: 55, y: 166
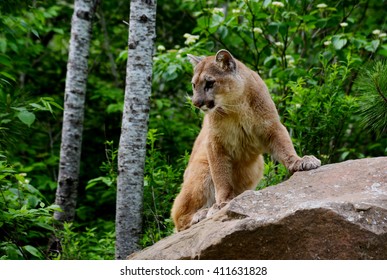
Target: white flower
x: 322, y: 6
x: 382, y: 35
x: 178, y: 56
x: 236, y: 11
x: 376, y: 32
x: 298, y: 105
x: 343, y: 24
x: 190, y: 39
x: 327, y: 43
x: 278, y: 4
x: 257, y: 30
x: 217, y: 11
x: 289, y: 58
x: 279, y: 44
x: 161, y: 48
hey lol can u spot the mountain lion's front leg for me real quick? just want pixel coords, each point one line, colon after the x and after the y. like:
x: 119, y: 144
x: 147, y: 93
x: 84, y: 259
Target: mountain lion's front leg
x: 221, y: 173
x: 281, y: 147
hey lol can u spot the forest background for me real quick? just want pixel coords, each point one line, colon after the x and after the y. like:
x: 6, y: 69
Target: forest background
x: 323, y: 61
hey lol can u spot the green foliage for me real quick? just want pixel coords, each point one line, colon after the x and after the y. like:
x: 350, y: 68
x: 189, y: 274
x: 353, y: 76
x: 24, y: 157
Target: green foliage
x: 319, y: 111
x: 161, y: 183
x: 28, y: 82
x: 171, y: 118
x: 372, y: 85
x: 274, y: 173
x: 109, y: 168
x: 25, y: 219
x: 103, y: 188
x: 18, y: 113
x: 88, y: 243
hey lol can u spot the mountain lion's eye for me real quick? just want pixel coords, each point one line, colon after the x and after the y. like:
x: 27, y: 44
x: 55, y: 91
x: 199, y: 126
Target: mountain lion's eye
x: 209, y: 84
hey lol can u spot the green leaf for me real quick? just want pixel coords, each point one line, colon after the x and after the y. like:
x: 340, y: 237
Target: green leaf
x: 33, y: 251
x: 20, y: 109
x: 292, y: 2
x: 58, y: 31
x: 5, y: 121
x: 51, y: 101
x: 55, y: 208
x: 338, y: 42
x: 171, y: 72
x: 35, y: 32
x: 215, y: 22
x: 37, y: 106
x: 358, y: 43
x: 5, y: 60
x: 123, y: 56
x: 283, y: 28
x: 93, y: 182
x: 344, y: 155
x: 372, y: 46
x: 3, y: 45
x: 33, y: 201
x: 114, y: 108
x: 26, y: 117
x: 272, y: 28
x: 266, y: 3
x: 261, y: 15
x: 7, y: 75
x: 45, y: 226
x: 4, y: 81
x: 383, y: 51
x: 375, y: 44
x: 159, y: 104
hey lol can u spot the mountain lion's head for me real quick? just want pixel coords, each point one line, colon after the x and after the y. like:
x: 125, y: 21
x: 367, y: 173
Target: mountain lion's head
x: 216, y: 83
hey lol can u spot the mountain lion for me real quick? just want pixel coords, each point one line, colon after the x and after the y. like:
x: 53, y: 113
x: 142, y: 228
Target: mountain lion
x: 241, y: 123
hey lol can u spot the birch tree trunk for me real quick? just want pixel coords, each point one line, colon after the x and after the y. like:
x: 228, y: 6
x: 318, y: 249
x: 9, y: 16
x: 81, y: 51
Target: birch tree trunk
x: 74, y: 99
x: 131, y: 152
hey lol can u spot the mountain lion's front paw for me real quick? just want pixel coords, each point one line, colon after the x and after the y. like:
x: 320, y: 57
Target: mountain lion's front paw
x: 200, y: 215
x: 304, y: 164
x: 215, y: 208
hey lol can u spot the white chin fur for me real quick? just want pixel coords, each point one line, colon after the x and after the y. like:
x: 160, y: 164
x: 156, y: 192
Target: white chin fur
x: 204, y: 108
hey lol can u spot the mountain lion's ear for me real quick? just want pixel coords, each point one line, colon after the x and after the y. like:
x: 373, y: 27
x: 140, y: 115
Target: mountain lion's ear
x: 194, y: 59
x: 225, y: 60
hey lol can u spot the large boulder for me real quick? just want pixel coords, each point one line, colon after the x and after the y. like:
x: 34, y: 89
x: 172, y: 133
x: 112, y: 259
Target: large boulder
x: 338, y: 211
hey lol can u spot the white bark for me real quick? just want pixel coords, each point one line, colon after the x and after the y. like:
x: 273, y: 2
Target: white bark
x: 131, y: 153
x: 74, y: 100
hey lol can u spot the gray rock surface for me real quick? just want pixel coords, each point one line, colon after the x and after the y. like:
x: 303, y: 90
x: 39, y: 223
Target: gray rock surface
x: 338, y: 211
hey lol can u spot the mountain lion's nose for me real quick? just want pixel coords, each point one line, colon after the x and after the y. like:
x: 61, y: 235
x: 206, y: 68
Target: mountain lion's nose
x: 198, y: 102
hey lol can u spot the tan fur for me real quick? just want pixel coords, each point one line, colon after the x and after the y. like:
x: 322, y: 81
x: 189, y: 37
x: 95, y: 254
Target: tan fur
x: 240, y: 124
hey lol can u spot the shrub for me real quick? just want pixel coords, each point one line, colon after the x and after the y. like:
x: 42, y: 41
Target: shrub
x: 26, y: 220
